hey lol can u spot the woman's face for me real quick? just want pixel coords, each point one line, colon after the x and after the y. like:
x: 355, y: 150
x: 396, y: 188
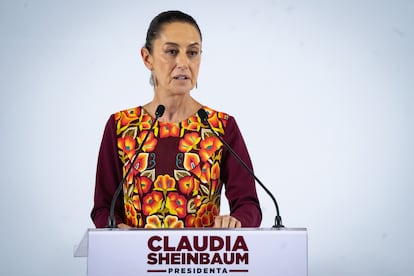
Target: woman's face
x: 176, y: 57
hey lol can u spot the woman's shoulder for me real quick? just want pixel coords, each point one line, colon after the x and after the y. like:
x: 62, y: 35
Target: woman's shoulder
x: 219, y: 120
x: 213, y: 113
x: 132, y: 111
x: 125, y: 117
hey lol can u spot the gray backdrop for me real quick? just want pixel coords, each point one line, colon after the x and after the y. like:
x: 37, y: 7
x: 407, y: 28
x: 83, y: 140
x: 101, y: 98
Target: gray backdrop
x: 322, y: 91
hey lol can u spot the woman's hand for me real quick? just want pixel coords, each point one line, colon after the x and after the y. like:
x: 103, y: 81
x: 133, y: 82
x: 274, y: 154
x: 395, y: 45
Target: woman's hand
x: 226, y: 221
x: 124, y: 226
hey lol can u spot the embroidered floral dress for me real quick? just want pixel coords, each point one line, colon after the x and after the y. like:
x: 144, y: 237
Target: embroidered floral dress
x: 178, y: 175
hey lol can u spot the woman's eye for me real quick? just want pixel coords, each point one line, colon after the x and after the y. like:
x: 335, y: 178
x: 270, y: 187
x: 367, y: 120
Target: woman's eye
x: 193, y: 53
x: 172, y: 52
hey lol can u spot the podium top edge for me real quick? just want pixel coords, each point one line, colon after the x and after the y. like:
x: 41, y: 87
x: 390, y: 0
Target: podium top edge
x: 201, y: 229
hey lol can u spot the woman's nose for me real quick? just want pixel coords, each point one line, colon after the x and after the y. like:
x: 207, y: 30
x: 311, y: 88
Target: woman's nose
x: 182, y: 60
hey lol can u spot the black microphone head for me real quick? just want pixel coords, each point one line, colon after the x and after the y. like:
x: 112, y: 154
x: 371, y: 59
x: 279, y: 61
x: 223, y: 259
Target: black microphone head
x: 160, y: 111
x: 203, y: 115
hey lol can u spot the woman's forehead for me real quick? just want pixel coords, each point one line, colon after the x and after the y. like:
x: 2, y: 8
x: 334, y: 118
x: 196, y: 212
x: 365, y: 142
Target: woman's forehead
x: 179, y: 32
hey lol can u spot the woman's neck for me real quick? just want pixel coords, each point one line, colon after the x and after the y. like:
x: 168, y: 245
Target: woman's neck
x: 177, y: 108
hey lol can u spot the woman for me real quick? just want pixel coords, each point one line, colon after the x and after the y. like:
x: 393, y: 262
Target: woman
x: 178, y: 174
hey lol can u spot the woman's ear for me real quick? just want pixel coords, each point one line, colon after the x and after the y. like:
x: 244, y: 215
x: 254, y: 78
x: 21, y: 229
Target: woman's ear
x: 146, y: 58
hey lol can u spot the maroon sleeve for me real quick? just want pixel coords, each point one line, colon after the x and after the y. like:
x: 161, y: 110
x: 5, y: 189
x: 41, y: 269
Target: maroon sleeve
x: 240, y: 185
x: 108, y: 177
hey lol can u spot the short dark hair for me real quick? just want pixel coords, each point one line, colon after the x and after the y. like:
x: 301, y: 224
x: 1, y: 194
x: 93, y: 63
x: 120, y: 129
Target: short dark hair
x: 165, y: 18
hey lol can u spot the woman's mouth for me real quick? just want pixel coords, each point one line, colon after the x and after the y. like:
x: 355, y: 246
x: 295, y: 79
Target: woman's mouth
x: 181, y: 77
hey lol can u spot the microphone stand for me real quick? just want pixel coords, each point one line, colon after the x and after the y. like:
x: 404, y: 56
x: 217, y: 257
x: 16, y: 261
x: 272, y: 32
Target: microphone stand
x: 204, y: 118
x: 111, y: 219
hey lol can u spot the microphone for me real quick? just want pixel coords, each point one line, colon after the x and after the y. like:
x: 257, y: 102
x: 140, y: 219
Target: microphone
x: 111, y: 219
x: 204, y: 118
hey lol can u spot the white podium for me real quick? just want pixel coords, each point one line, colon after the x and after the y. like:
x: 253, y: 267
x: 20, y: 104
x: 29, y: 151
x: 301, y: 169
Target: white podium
x: 164, y: 252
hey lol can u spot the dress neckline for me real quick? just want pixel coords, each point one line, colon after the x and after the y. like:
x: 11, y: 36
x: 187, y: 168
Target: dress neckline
x: 144, y: 111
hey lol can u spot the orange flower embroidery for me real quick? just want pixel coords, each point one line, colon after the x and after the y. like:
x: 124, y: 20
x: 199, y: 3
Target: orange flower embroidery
x: 218, y: 121
x: 214, y: 176
x: 129, y: 178
x: 206, y: 214
x: 184, y: 198
x: 143, y: 185
x: 192, y: 163
x: 191, y: 124
x: 205, y: 173
x: 176, y: 204
x: 173, y: 222
x: 214, y: 121
x: 208, y: 147
x: 146, y: 122
x: 127, y: 116
x: 188, y: 185
x: 189, y: 221
x: 198, y: 200
x: 189, y: 141
x: 169, y: 129
x: 127, y: 145
x: 152, y: 203
x: 164, y: 183
x: 131, y: 215
x: 153, y: 222
x: 141, y: 162
x: 215, y: 171
x: 136, y: 202
x: 150, y: 143
x: 213, y: 186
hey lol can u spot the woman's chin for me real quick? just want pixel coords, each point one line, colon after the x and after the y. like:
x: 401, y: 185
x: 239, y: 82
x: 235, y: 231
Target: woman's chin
x: 181, y: 89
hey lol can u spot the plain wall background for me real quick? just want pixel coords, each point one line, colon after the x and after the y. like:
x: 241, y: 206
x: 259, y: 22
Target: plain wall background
x: 323, y: 92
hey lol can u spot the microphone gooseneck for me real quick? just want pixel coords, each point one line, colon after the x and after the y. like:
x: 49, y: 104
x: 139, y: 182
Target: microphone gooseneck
x: 111, y: 219
x: 204, y: 118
